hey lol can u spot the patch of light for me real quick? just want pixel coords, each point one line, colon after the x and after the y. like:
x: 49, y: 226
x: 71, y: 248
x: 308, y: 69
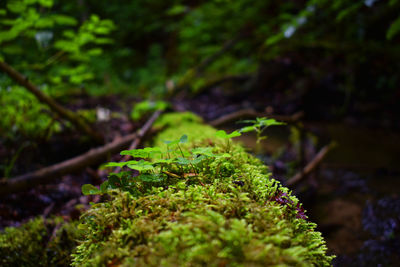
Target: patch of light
x: 103, y: 114
x: 301, y: 20
x: 289, y: 31
x: 43, y: 38
x: 369, y: 3
x: 311, y: 8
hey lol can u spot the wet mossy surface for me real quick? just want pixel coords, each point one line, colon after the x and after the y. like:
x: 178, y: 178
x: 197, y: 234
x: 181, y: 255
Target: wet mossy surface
x: 39, y: 242
x: 232, y: 213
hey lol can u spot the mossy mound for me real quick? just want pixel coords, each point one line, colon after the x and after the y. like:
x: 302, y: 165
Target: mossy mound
x: 39, y: 242
x: 232, y: 213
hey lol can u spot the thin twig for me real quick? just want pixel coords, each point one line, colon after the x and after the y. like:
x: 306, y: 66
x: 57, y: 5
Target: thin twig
x: 141, y: 133
x: 247, y: 113
x: 51, y: 103
x: 311, y: 165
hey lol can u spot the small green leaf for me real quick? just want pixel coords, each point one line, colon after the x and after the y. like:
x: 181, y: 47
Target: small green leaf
x: 16, y: 6
x: 234, y: 134
x: 136, y: 153
x: 207, y: 151
x: 247, y: 129
x: 104, y: 187
x: 198, y: 159
x: 88, y: 189
x: 269, y: 122
x: 182, y: 161
x: 161, y: 161
x: 169, y: 143
x: 223, y: 134
x: 176, y: 10
x: 65, y: 20
x: 120, y: 164
x: 274, y: 39
x: 183, y: 139
x: 141, y: 165
x: 393, y: 29
x: 46, y: 3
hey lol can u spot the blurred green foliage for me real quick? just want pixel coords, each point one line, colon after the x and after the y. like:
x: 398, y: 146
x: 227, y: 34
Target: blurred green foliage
x: 62, y: 43
x: 148, y: 47
x: 51, y: 47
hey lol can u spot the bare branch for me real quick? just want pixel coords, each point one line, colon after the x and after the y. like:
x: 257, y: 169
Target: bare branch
x: 64, y: 113
x: 311, y: 165
x: 92, y: 157
x: 251, y: 113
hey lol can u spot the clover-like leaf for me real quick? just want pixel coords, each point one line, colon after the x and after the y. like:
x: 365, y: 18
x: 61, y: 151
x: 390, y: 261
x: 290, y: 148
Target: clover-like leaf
x: 182, y: 161
x: 136, y: 153
x: 170, y: 143
x: 141, y: 165
x: 162, y: 161
x: 88, y: 189
x: 247, y: 129
x: 198, y: 159
x: 223, y: 134
x: 207, y: 151
x: 268, y: 122
x: 183, y: 139
x: 120, y: 164
x: 147, y: 152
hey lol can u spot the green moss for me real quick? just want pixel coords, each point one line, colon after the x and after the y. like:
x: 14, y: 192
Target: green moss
x: 38, y: 243
x: 229, y: 215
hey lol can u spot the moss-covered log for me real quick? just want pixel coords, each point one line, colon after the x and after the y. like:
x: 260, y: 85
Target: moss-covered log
x: 229, y: 212
x: 39, y: 242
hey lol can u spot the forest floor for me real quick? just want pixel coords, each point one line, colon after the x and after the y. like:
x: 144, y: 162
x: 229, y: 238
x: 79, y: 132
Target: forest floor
x: 357, y: 182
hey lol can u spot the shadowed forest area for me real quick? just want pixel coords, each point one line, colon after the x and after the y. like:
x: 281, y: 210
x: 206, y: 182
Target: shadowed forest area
x: 111, y: 110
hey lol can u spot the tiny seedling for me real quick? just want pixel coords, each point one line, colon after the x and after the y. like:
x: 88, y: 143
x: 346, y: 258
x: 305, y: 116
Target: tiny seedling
x: 259, y: 125
x: 224, y: 135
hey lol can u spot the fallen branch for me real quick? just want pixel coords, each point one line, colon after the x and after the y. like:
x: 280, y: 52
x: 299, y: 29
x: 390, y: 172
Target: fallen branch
x: 251, y: 113
x: 93, y: 156
x: 311, y: 165
x: 146, y: 127
x: 64, y: 113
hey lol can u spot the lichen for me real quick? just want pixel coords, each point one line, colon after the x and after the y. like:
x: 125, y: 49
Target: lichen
x: 232, y: 214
